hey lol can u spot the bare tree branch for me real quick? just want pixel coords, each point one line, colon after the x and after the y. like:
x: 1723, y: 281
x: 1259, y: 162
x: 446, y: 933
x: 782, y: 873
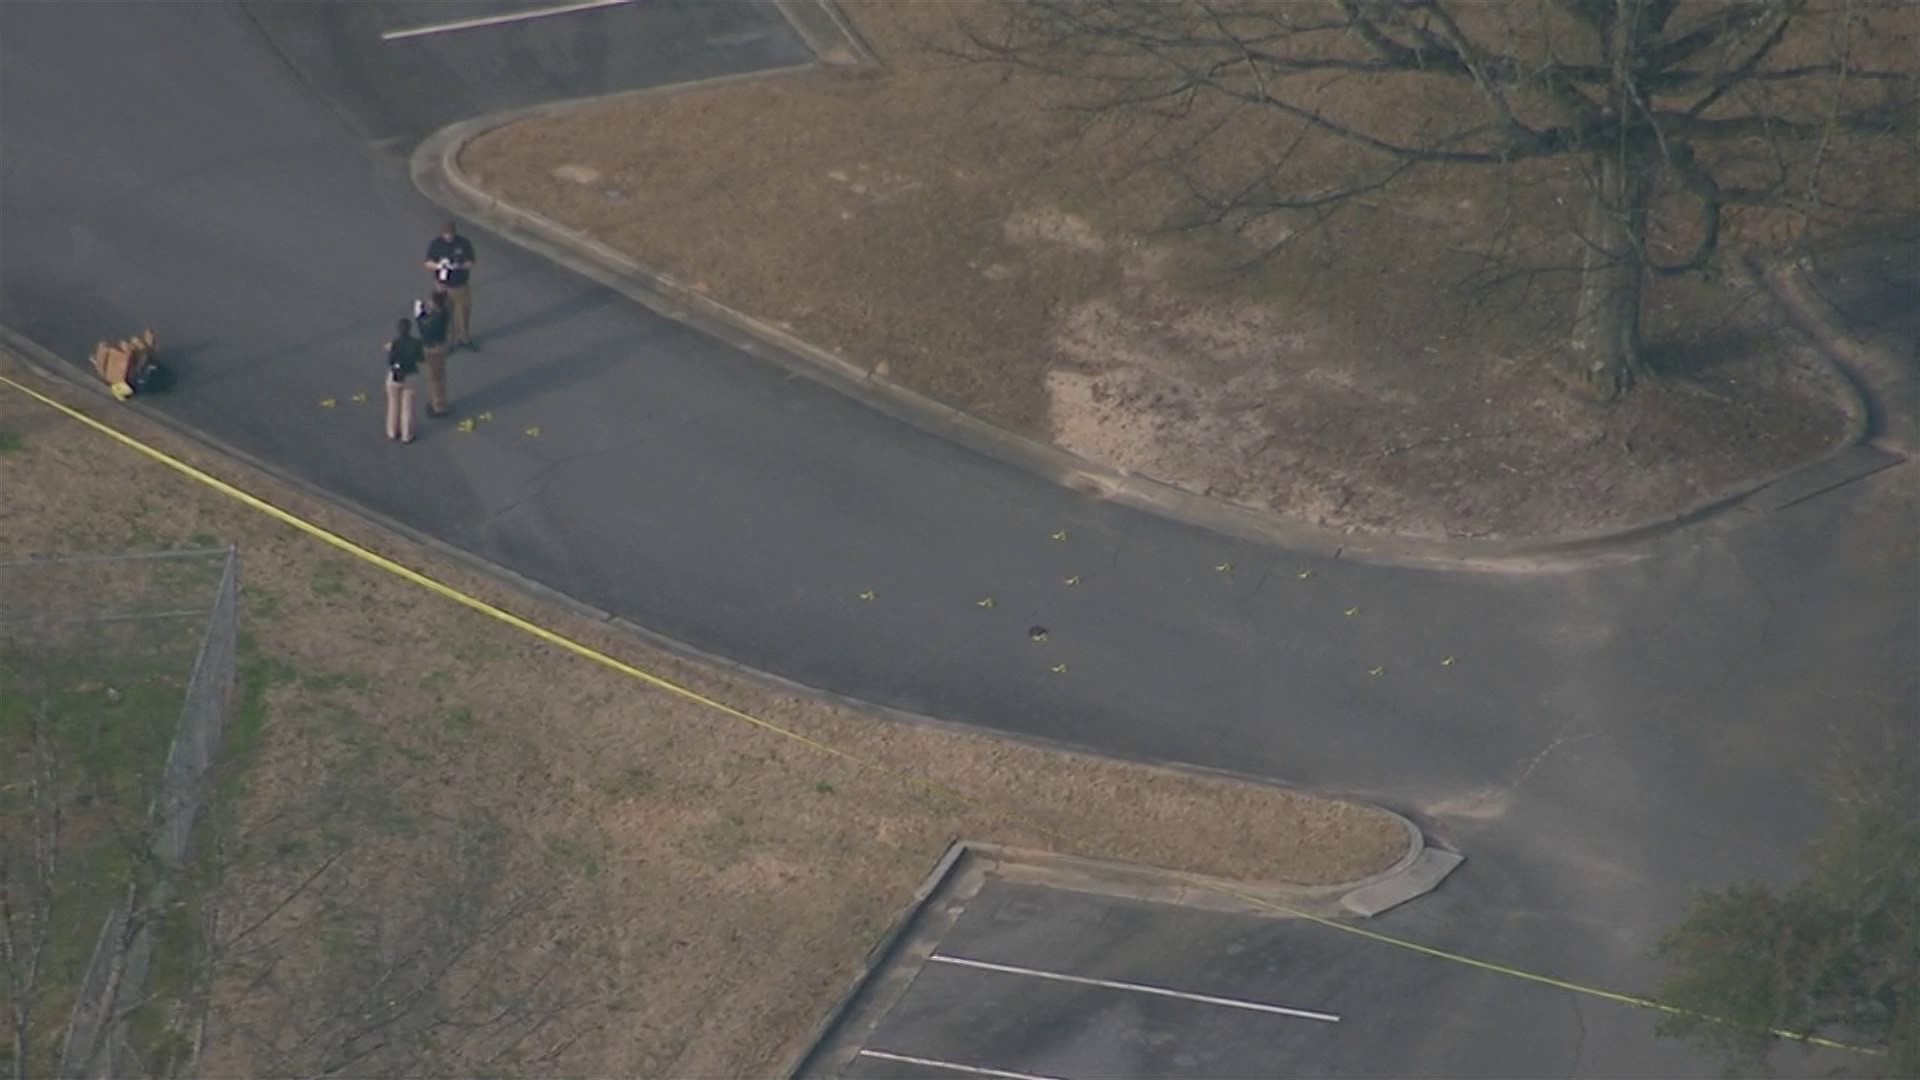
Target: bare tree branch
x: 1716, y: 106
x: 1731, y: 22
x: 1783, y: 21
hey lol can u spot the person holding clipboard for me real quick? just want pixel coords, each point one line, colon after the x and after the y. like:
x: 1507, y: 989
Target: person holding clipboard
x: 450, y: 259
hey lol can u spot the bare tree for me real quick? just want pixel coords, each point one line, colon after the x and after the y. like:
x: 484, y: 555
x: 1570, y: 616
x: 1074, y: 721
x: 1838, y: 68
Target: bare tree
x: 1657, y: 121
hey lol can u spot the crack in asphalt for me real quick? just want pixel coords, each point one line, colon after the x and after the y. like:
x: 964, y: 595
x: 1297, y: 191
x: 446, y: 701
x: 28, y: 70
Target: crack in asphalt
x: 1558, y: 741
x: 1580, y: 1034
x: 1113, y: 558
x: 1244, y: 604
x: 326, y: 101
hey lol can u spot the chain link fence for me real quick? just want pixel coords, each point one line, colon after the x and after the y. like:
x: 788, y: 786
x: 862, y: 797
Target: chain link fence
x: 116, y: 684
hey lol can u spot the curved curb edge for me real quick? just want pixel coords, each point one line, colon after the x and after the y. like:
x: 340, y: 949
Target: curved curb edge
x: 1864, y: 368
x: 1399, y: 876
x: 53, y: 369
x: 436, y: 171
x: 828, y: 32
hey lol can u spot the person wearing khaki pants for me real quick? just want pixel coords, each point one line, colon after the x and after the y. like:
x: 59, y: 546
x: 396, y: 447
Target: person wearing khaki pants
x: 434, y: 317
x: 450, y: 259
x: 403, y: 361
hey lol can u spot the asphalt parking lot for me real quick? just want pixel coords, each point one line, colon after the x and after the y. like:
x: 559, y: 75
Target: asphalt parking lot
x: 1028, y: 981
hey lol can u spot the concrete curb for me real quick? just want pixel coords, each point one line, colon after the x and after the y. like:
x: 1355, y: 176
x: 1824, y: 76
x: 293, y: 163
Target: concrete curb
x: 831, y: 1040
x: 1406, y: 879
x: 1418, y: 871
x: 1421, y: 876
x: 437, y: 173
x: 826, y: 30
x: 860, y: 988
x: 1868, y: 370
x: 1406, y: 876
x: 49, y: 367
x: 1411, y: 876
x: 1853, y: 393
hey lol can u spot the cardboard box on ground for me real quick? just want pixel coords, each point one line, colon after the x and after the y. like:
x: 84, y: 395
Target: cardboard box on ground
x: 129, y: 366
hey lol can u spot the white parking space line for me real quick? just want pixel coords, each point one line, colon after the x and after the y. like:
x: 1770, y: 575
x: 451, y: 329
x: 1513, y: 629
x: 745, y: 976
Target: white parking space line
x: 500, y: 20
x: 933, y: 1063
x: 1138, y: 988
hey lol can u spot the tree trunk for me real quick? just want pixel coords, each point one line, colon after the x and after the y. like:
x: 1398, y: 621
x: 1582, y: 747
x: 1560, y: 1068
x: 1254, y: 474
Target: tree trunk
x: 1605, y: 343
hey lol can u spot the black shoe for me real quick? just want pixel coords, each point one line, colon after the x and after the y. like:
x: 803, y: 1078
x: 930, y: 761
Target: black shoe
x: 438, y: 414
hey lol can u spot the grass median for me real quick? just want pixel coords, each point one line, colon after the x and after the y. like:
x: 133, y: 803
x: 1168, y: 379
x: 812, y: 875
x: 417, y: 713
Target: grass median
x: 456, y: 849
x: 963, y: 230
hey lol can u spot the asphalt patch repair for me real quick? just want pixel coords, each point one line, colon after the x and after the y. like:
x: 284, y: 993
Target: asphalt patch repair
x: 447, y: 763
x: 937, y: 223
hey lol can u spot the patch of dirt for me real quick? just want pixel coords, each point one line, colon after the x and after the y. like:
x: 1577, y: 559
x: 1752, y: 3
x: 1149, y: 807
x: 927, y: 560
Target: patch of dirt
x: 944, y: 224
x: 638, y: 885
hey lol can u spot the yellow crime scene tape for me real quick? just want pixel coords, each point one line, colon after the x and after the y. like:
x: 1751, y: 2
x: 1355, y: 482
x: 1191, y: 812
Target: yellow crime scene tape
x: 555, y: 638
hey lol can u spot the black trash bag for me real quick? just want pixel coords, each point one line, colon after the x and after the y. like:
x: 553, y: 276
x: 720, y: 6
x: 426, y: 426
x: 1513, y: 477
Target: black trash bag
x: 152, y: 378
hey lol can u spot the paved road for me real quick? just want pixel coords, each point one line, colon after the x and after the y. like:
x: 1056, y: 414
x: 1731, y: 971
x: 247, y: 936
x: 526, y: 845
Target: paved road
x: 1602, y: 744
x: 1369, y: 1011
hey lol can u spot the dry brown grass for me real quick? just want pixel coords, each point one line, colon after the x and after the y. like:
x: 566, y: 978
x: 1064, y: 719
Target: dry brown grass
x: 714, y: 885
x: 945, y: 224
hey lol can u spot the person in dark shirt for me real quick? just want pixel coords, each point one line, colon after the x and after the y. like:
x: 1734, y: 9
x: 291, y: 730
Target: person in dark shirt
x: 435, y: 319
x: 403, y: 361
x: 450, y: 259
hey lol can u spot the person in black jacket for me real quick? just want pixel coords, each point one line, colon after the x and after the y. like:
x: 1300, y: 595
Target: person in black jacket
x: 434, y: 317
x: 403, y: 361
x: 450, y: 259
